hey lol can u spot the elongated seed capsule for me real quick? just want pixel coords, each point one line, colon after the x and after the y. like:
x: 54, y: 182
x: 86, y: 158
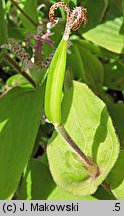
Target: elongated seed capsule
x: 53, y: 93
x: 56, y: 72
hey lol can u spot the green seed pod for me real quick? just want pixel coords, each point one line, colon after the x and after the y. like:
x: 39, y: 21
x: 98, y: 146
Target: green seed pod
x: 53, y: 93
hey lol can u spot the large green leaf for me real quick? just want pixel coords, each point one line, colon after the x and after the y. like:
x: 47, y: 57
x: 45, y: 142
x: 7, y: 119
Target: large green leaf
x: 36, y: 183
x: 107, y: 35
x: 3, y: 23
x: 116, y: 177
x: 87, y: 121
x: 30, y: 8
x: 20, y: 113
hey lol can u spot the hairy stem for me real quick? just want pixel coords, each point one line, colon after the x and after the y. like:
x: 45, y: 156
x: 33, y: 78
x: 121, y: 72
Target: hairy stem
x: 14, y: 64
x: 61, y: 130
x: 28, y: 17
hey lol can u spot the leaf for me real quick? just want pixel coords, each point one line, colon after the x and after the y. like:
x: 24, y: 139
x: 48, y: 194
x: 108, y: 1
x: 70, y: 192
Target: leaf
x: 94, y: 49
x: 16, y: 80
x: 44, y: 159
x: 102, y: 194
x: 117, y: 113
x: 2, y: 53
x: 114, y: 75
x: 30, y: 8
x: 93, y: 69
x: 20, y: 113
x: 95, y: 11
x: 38, y: 74
x: 36, y: 183
x: 58, y: 194
x: 114, y: 40
x: 3, y: 23
x: 86, y: 66
x: 76, y: 64
x: 86, y: 120
x: 16, y: 33
x: 116, y: 177
x: 74, y: 2
x: 68, y: 81
x: 123, y: 6
x: 113, y: 10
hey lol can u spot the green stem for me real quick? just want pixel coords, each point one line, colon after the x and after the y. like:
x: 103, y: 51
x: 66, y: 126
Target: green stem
x: 61, y: 130
x: 28, y: 17
x: 18, y: 69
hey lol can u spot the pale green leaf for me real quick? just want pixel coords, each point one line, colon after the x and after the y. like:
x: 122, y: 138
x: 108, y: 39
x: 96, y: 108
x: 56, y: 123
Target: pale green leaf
x: 87, y: 121
x: 58, y: 194
x: 20, y: 113
x: 107, y: 35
